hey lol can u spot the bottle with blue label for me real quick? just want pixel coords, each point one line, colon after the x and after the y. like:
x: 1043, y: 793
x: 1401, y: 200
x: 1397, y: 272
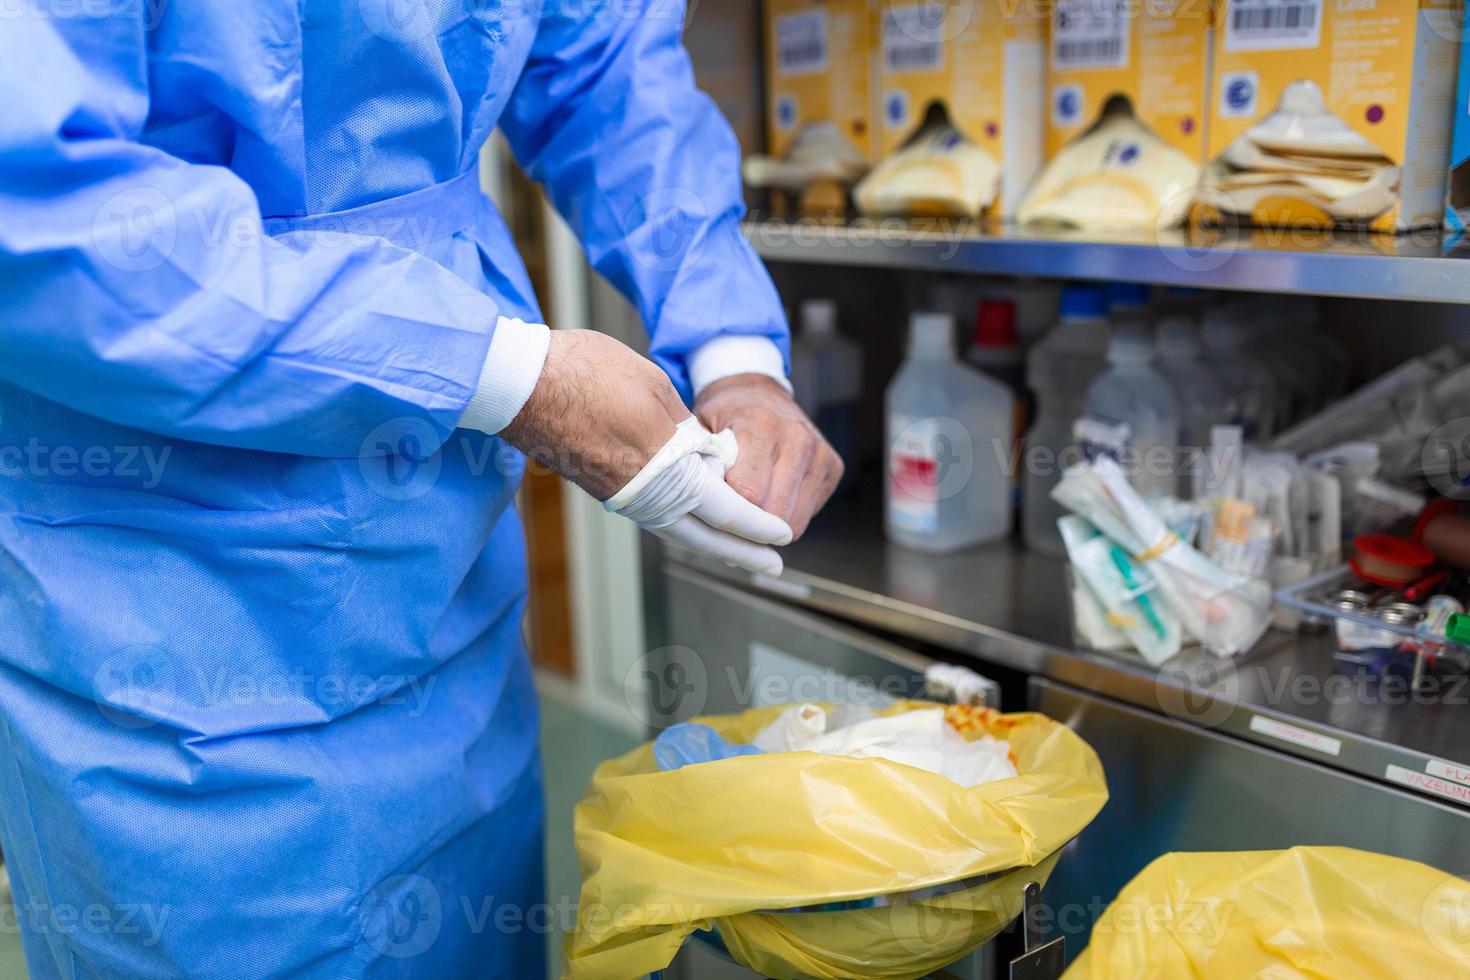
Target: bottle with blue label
x: 949, y: 441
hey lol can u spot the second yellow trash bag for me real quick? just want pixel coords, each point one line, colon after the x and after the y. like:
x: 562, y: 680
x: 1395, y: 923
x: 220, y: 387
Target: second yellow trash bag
x: 1309, y: 912
x: 715, y: 845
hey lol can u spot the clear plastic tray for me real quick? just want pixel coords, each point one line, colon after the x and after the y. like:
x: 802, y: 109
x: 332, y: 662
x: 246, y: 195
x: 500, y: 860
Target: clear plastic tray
x: 1314, y: 597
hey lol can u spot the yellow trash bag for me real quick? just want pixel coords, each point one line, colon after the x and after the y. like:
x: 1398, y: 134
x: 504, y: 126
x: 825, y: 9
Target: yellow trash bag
x: 1329, y: 912
x: 717, y: 844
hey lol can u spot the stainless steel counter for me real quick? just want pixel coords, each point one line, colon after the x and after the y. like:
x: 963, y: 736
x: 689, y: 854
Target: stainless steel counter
x: 1001, y: 605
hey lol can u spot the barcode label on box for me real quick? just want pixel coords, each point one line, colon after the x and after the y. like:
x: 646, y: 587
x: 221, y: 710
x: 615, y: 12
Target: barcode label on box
x: 801, y: 43
x: 1091, y: 34
x: 913, y: 37
x: 1272, y: 25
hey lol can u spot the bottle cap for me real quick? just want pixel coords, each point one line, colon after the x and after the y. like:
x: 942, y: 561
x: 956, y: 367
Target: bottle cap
x: 1129, y: 296
x: 931, y: 333
x: 1084, y: 302
x: 1130, y: 344
x: 995, y: 324
x: 1458, y: 629
x: 1178, y: 338
x: 819, y: 318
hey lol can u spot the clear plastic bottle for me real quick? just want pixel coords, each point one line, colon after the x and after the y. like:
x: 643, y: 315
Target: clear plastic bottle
x: 1130, y: 392
x: 1203, y: 400
x: 1249, y: 382
x: 949, y: 439
x: 1058, y: 372
x: 827, y: 373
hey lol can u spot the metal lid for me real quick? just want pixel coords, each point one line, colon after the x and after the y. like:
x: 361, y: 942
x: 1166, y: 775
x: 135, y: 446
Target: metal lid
x: 1401, y: 614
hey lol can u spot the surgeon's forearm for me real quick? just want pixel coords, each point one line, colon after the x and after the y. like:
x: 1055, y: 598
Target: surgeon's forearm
x: 597, y: 412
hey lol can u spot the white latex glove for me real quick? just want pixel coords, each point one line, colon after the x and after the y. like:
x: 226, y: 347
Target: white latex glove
x: 681, y: 495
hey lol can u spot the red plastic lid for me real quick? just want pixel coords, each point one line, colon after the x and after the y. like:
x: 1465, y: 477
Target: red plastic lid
x: 995, y: 324
x: 1398, y: 560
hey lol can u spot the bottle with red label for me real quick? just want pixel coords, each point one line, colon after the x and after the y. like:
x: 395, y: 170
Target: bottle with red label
x: 949, y: 446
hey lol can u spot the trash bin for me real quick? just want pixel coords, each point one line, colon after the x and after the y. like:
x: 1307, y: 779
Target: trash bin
x: 1304, y: 912
x: 807, y: 865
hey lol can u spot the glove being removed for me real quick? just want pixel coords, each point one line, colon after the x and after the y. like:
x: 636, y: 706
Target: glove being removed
x: 681, y: 495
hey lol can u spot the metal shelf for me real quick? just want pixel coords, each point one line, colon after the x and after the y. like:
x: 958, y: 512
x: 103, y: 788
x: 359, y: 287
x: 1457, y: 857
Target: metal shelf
x: 1000, y: 604
x: 1424, y: 266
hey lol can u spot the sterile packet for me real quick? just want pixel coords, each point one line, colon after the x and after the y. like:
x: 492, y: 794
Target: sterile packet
x: 940, y: 173
x: 1118, y: 175
x: 1105, y: 570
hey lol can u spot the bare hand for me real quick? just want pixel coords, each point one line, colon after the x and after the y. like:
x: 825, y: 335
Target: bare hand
x: 784, y: 466
x: 598, y: 413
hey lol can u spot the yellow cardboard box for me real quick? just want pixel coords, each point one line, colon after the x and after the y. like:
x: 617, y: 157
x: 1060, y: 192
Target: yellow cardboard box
x: 817, y: 70
x: 1154, y: 52
x: 982, y: 59
x: 1387, y: 68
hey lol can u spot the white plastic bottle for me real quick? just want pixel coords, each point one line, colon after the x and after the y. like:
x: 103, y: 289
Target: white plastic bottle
x: 1058, y: 371
x: 1203, y: 401
x: 827, y: 373
x: 1251, y: 386
x: 1131, y: 393
x: 949, y: 440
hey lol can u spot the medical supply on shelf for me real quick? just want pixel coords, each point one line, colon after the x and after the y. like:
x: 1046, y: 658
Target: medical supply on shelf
x: 1118, y: 175
x: 995, y: 347
x: 1120, y: 591
x: 1130, y: 394
x: 949, y: 439
x: 1329, y: 113
x: 818, y: 102
x: 1059, y: 370
x: 1226, y: 612
x: 827, y: 374
x: 1250, y: 386
x: 978, y: 64
x: 1385, y: 559
x: 1203, y: 400
x: 939, y: 173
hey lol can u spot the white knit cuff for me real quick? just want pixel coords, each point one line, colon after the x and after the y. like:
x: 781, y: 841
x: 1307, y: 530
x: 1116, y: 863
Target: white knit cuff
x: 512, y: 367
x: 731, y: 354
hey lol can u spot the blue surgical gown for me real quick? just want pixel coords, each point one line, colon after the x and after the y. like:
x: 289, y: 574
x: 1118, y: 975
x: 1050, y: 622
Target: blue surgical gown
x: 264, y: 708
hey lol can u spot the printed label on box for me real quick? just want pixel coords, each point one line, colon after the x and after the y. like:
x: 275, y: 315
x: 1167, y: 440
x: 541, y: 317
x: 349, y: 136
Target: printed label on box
x: 801, y: 43
x: 913, y: 38
x: 1091, y: 34
x: 1273, y: 25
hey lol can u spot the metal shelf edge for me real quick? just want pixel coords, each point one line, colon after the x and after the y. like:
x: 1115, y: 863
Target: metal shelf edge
x: 1422, y: 268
